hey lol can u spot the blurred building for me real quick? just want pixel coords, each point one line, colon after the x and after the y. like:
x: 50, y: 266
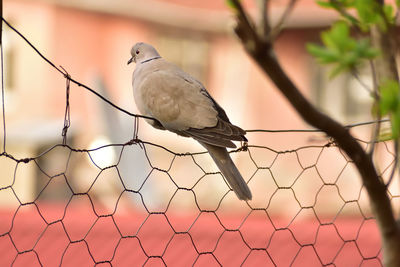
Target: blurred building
x: 92, y: 39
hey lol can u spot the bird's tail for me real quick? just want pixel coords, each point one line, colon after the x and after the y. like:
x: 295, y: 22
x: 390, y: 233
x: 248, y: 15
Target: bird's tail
x: 225, y: 164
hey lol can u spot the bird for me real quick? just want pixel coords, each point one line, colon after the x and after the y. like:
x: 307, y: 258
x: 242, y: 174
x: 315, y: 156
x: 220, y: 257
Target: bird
x: 181, y: 104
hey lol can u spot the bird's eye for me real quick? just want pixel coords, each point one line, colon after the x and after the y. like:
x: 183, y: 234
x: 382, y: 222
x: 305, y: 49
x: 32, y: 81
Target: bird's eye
x: 137, y: 52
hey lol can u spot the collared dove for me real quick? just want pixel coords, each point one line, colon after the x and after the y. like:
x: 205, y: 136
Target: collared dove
x: 182, y: 105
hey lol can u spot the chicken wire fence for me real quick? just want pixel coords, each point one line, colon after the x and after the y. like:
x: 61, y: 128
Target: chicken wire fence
x: 149, y: 205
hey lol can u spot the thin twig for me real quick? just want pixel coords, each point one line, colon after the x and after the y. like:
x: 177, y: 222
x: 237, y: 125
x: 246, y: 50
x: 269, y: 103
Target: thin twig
x: 277, y: 29
x: 394, y: 168
x: 361, y: 82
x: 376, y: 95
x: 245, y: 29
x: 264, y: 27
x: 342, y: 11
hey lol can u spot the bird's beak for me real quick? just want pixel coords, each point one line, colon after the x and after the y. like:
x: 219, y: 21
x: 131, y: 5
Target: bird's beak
x: 130, y: 60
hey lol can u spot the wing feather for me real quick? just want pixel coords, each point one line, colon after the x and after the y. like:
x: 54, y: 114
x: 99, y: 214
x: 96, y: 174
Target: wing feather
x: 182, y: 105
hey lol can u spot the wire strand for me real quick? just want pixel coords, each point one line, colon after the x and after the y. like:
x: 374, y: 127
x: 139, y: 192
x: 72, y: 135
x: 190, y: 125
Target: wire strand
x: 142, y: 195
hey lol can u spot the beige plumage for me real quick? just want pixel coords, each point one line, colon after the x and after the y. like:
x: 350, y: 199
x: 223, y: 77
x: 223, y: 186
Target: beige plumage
x: 182, y: 105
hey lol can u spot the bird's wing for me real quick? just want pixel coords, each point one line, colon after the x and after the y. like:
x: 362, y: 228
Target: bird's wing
x: 182, y: 105
x: 175, y: 101
x: 220, y: 135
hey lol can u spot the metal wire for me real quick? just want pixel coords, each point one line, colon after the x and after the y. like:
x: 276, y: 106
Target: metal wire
x: 79, y: 229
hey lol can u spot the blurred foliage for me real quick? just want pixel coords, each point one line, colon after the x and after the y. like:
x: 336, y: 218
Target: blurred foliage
x: 345, y: 46
x: 341, y: 49
x: 389, y: 104
x: 363, y: 13
x: 231, y: 4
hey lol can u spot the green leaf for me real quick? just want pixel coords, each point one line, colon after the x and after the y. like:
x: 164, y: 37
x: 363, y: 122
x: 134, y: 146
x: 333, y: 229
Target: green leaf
x: 395, y: 120
x: 385, y: 135
x: 323, y: 54
x: 369, y: 13
x: 367, y: 10
x: 337, y: 37
x: 327, y: 4
x: 388, y: 10
x: 336, y: 4
x: 337, y: 70
x: 324, y: 4
x: 390, y: 98
x: 231, y: 4
x: 389, y: 104
x: 340, y: 49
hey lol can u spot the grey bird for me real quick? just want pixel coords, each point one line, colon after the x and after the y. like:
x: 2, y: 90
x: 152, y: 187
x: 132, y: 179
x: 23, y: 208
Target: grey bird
x: 182, y: 105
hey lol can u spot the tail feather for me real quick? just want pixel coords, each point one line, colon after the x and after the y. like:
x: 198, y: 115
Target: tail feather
x: 225, y: 164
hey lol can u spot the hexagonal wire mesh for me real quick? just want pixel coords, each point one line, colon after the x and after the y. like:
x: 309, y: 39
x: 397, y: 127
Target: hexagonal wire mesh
x: 309, y: 207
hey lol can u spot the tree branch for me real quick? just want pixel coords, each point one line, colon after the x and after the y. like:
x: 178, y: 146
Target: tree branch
x: 264, y: 28
x: 262, y: 52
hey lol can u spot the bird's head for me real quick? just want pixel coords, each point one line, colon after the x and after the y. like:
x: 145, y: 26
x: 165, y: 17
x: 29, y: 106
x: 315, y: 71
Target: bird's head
x: 141, y: 52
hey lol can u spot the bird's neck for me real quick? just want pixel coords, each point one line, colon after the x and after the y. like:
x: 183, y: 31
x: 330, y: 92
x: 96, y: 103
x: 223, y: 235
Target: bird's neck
x: 149, y: 59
